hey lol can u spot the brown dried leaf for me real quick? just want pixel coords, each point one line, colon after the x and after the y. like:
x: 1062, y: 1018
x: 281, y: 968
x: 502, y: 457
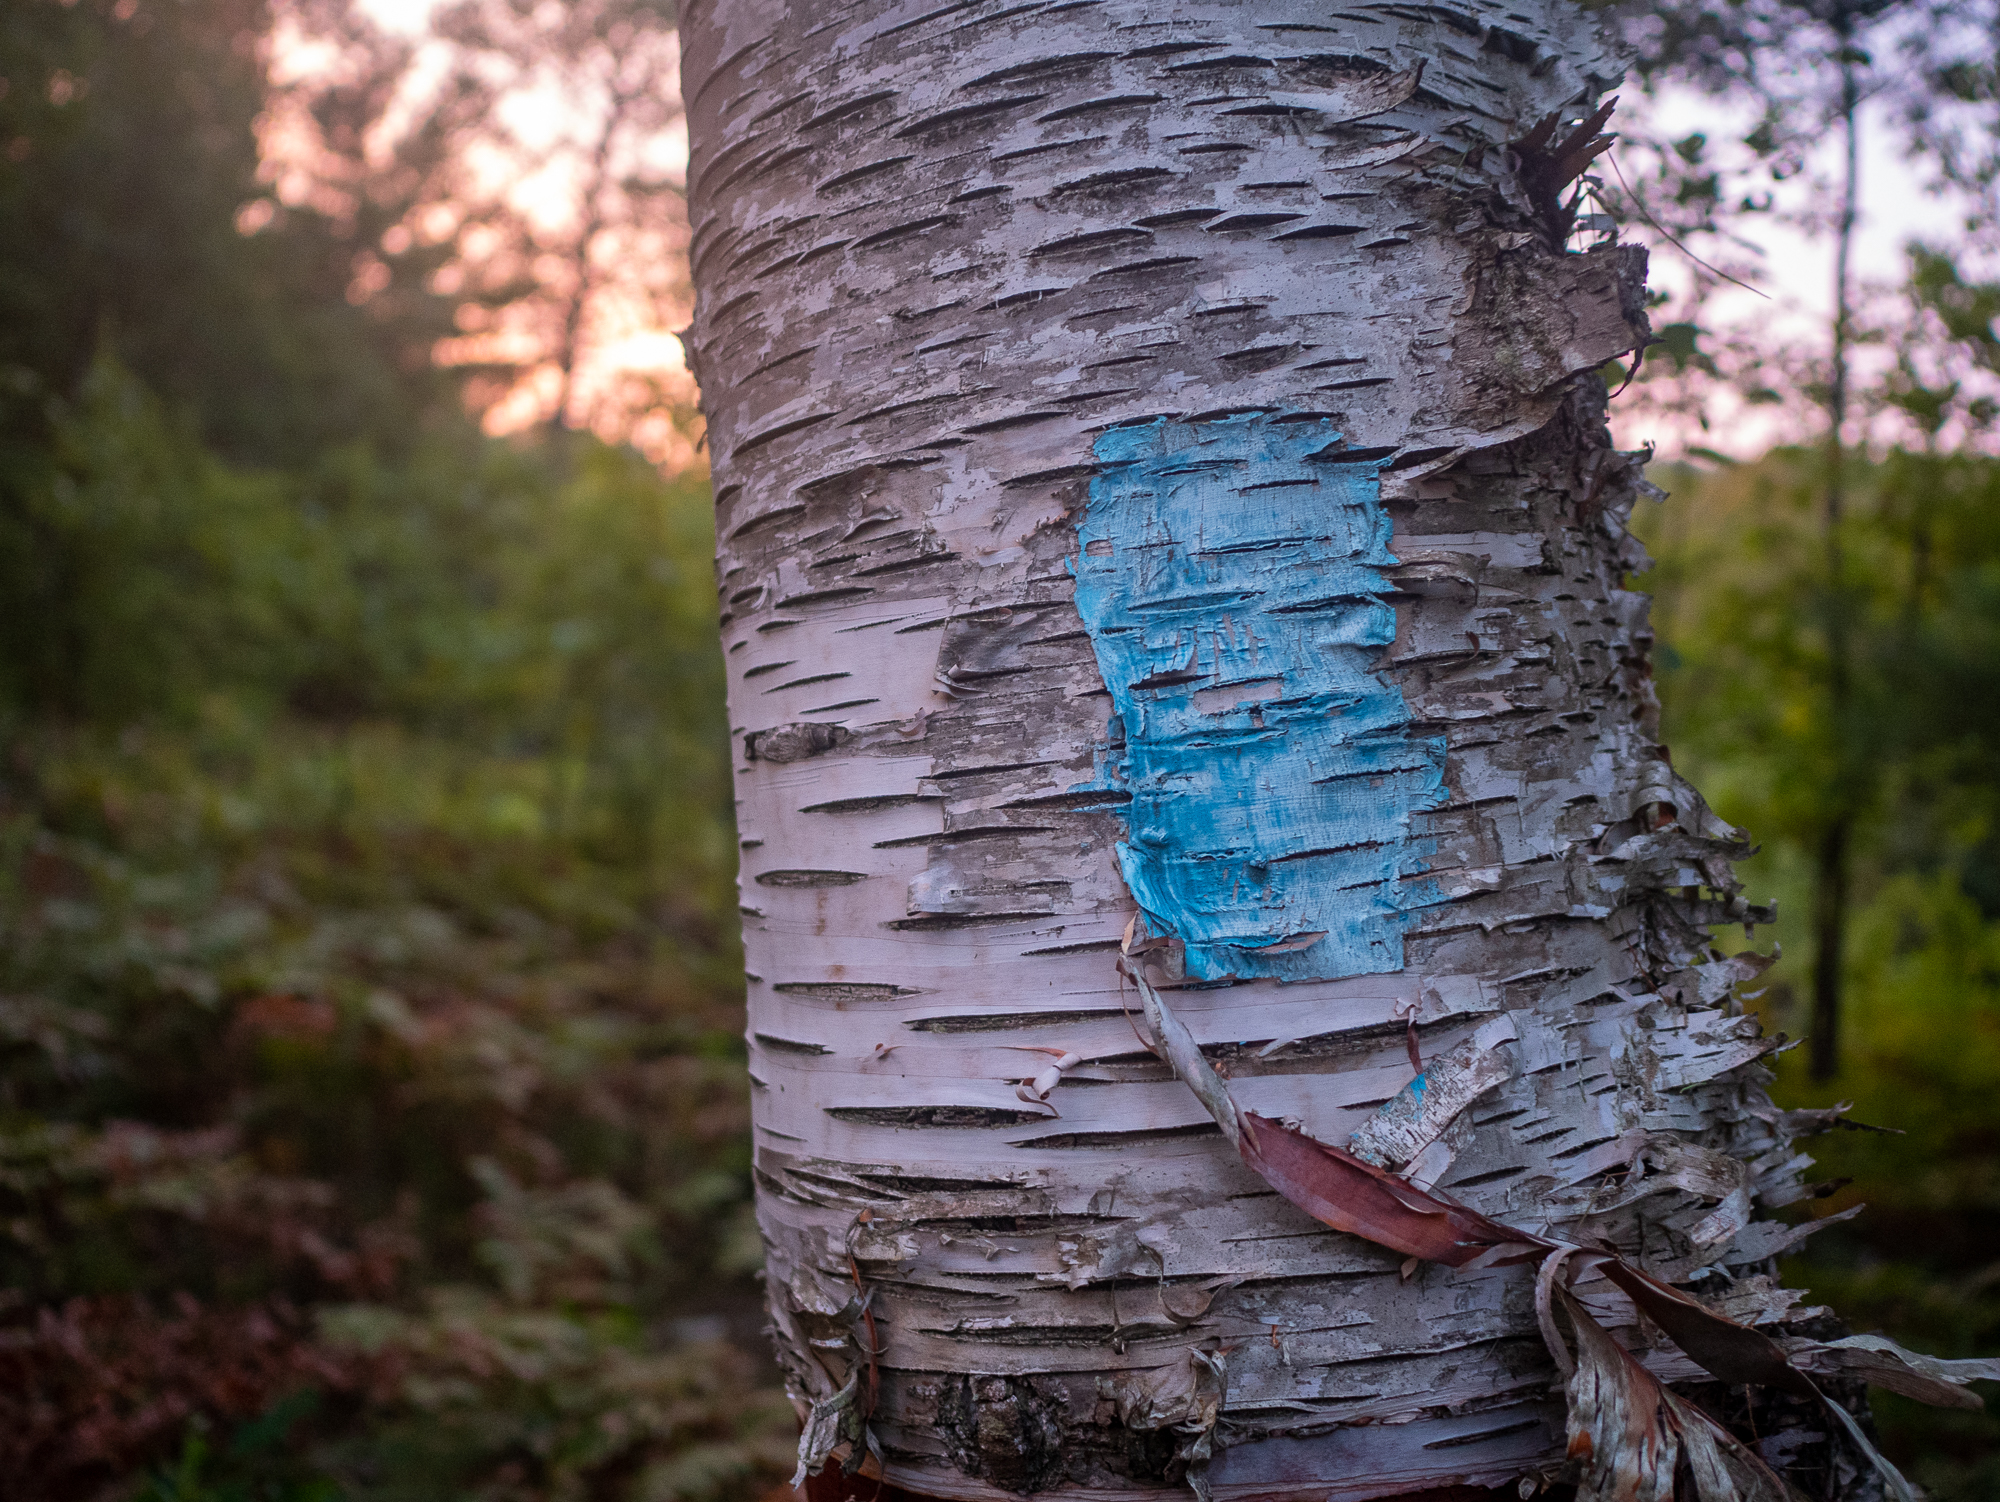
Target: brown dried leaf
x: 1632, y: 1437
x: 1631, y: 1433
x: 1339, y: 1189
x: 1879, y: 1360
x: 1732, y: 1352
x: 1327, y: 1182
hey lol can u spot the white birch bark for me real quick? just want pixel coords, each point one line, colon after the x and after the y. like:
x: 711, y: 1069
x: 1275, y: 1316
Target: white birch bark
x: 955, y: 263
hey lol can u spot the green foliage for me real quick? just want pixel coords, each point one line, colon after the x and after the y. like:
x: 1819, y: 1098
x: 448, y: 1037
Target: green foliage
x: 1741, y: 609
x: 136, y: 569
x: 368, y: 1021
x: 371, y: 1101
x: 554, y: 597
x: 127, y: 149
x: 252, y: 1467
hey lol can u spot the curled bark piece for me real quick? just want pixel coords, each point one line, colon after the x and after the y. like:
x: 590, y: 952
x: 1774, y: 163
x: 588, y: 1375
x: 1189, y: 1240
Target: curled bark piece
x: 1185, y: 1396
x: 1631, y: 1434
x: 1545, y: 1313
x: 1177, y: 1046
x: 826, y: 1425
x: 1811, y: 1122
x: 1776, y: 1239
x: 1424, y: 1108
x: 1036, y: 1091
x: 1661, y: 1160
x: 1199, y: 1448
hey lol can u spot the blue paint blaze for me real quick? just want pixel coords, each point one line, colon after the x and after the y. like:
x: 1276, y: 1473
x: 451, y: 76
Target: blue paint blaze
x: 1230, y: 580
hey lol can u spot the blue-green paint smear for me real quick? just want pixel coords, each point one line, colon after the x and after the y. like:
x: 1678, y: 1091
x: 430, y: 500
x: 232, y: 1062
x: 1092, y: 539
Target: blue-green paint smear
x: 1229, y: 572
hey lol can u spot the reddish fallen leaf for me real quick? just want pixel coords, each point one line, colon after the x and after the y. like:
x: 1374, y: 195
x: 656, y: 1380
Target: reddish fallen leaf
x: 1632, y: 1435
x: 1335, y: 1187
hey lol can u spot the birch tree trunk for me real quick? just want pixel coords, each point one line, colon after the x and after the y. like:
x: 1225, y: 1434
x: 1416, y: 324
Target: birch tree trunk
x: 1160, y: 472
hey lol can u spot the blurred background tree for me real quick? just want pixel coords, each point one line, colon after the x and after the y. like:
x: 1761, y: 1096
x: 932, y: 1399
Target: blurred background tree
x: 1825, y: 604
x: 371, y: 1117
x: 522, y: 162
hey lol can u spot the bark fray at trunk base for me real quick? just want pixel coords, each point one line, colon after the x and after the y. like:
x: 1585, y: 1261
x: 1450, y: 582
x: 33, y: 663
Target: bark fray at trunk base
x: 1159, y: 470
x: 832, y: 1484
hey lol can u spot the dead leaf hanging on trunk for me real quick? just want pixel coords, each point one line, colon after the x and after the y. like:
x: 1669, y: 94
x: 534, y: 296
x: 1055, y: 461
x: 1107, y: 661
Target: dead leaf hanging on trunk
x: 1632, y: 1438
x: 1632, y: 1435
x: 1928, y: 1379
x: 1335, y: 1187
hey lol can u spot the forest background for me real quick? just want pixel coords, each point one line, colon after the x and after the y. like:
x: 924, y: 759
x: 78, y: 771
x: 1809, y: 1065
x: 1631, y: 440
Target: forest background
x: 372, y: 1113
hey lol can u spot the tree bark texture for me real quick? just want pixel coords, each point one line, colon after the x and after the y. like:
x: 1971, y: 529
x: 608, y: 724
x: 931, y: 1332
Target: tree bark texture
x: 1160, y: 472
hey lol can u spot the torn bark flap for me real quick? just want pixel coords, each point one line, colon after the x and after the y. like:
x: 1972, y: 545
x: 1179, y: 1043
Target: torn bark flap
x: 1425, y: 1107
x: 826, y: 1426
x: 1632, y: 1434
x: 1661, y: 1161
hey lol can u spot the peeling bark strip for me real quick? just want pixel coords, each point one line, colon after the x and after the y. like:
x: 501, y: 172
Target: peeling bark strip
x: 1231, y: 578
x: 1632, y: 1437
x: 969, y: 275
